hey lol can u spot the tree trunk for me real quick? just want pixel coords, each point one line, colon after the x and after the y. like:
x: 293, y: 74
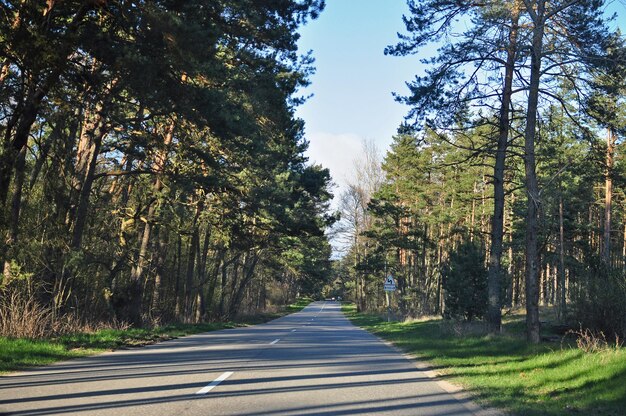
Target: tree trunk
x: 494, y: 278
x: 249, y: 267
x: 532, y: 186
x: 200, y: 306
x: 624, y: 250
x: 88, y: 170
x: 120, y: 197
x: 42, y: 155
x: 355, y: 244
x: 204, y: 255
x: 10, y: 157
x: 179, y: 256
x: 224, y: 281
x: 19, y: 126
x: 562, y: 308
x: 191, y: 262
x: 234, y: 279
x: 214, y: 277
x: 222, y: 305
x: 93, y: 131
x: 511, y: 270
x: 608, y: 196
x: 16, y: 206
x: 156, y: 309
x: 473, y: 215
x: 138, y: 270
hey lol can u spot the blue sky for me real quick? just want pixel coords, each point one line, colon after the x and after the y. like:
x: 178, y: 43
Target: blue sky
x: 354, y: 80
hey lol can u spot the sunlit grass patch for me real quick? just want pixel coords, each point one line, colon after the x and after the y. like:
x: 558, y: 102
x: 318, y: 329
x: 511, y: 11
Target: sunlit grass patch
x: 299, y: 304
x: 109, y: 339
x: 20, y: 353
x: 507, y: 372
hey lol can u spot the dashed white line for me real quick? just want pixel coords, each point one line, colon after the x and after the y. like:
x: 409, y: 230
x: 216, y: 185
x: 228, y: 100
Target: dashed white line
x: 215, y: 382
x: 293, y: 330
x: 275, y: 341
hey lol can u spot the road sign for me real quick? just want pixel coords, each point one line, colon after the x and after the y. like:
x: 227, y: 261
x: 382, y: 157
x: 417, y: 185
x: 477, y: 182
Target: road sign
x: 390, y: 284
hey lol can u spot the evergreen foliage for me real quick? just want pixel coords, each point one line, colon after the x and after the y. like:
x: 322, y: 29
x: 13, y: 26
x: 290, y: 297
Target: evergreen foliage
x: 512, y: 142
x: 465, y: 283
x: 151, y: 165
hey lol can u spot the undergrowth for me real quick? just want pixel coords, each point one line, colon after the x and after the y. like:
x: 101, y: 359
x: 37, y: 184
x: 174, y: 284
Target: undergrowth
x: 27, y: 343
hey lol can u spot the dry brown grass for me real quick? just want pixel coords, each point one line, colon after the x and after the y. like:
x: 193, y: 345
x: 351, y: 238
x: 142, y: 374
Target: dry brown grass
x: 462, y: 329
x: 594, y: 341
x: 21, y: 316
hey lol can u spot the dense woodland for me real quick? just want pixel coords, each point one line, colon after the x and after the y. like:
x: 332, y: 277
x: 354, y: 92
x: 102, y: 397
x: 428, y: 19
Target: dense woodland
x: 151, y: 166
x: 506, y: 186
x: 152, y: 169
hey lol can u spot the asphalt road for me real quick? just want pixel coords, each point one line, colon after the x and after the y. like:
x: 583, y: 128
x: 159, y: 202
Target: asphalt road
x: 314, y: 362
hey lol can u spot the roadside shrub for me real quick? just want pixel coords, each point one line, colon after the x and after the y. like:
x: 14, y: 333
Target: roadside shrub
x: 594, y: 341
x: 599, y: 303
x: 23, y: 317
x: 465, y: 283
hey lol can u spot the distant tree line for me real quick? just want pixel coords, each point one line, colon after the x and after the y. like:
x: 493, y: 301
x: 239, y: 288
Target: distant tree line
x: 151, y: 166
x: 505, y: 186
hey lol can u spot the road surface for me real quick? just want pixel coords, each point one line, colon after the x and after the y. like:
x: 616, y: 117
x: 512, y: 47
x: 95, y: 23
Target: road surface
x: 314, y: 362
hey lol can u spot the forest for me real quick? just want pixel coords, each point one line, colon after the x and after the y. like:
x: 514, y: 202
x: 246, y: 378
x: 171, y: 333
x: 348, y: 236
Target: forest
x: 505, y: 186
x: 152, y: 169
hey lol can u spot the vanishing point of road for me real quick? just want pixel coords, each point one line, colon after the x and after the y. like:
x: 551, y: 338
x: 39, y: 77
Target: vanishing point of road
x: 314, y: 362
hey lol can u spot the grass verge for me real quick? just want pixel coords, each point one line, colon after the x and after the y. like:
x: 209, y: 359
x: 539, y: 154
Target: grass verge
x: 20, y: 353
x: 509, y: 373
x: 299, y: 304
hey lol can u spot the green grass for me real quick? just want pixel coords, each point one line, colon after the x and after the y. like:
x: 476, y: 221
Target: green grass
x: 16, y: 354
x: 507, y: 372
x: 19, y: 353
x: 299, y: 304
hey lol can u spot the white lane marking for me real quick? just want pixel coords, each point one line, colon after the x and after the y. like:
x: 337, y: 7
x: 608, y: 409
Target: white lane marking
x: 275, y: 341
x: 293, y: 330
x: 215, y: 382
x: 323, y: 306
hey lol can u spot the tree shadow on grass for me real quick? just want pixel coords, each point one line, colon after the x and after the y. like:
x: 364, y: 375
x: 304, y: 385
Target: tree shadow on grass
x: 508, y: 372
